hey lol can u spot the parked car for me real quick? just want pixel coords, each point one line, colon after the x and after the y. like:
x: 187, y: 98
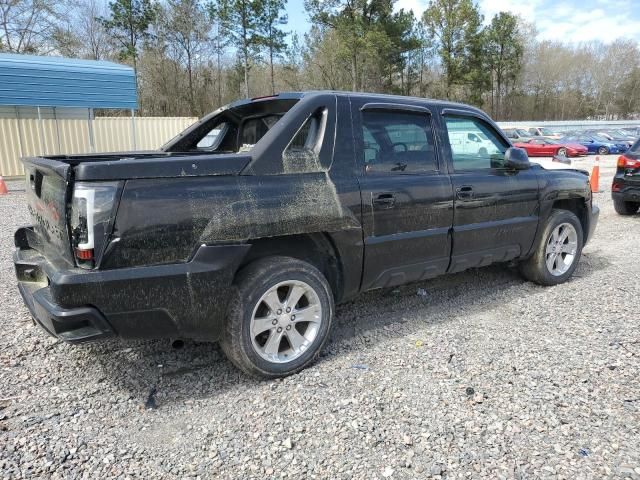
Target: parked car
x: 472, y: 142
x: 594, y: 144
x: 302, y: 200
x: 625, y: 189
x: 543, y: 132
x: 631, y: 131
x: 615, y: 137
x: 545, y: 147
x: 515, y: 133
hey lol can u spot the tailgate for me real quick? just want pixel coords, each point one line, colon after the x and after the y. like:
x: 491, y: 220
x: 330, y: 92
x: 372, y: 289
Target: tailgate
x: 47, y: 192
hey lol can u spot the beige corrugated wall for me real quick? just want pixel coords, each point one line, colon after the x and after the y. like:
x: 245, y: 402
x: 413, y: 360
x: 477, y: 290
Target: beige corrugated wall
x: 24, y: 137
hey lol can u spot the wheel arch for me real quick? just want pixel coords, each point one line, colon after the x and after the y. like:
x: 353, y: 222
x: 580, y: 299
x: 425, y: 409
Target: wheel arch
x: 318, y: 249
x: 578, y: 207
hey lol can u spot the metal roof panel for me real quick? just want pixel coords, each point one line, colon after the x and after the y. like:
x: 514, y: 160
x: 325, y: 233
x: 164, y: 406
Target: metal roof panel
x: 28, y: 80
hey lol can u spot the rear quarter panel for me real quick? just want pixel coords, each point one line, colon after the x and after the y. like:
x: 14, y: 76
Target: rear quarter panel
x: 164, y: 220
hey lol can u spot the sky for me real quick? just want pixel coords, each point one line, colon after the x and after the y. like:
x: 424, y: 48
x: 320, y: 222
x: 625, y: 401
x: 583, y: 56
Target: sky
x: 565, y: 20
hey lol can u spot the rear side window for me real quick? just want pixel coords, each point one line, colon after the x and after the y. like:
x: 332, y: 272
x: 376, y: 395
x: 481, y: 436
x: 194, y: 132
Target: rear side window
x: 474, y: 144
x: 398, y: 142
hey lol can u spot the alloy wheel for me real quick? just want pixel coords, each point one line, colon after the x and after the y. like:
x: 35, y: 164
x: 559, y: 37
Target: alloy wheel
x: 561, y: 250
x: 285, y: 321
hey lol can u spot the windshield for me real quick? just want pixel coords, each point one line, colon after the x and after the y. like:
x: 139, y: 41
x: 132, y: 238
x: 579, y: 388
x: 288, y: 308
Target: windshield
x: 522, y: 133
x: 546, y: 131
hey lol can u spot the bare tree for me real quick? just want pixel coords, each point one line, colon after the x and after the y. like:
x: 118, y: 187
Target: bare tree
x: 26, y: 26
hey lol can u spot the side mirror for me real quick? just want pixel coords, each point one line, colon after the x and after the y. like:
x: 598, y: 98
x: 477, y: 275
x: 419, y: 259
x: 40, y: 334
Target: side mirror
x: 516, y: 159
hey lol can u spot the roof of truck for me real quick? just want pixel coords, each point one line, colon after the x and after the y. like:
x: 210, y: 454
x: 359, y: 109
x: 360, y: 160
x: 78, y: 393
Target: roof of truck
x: 386, y: 96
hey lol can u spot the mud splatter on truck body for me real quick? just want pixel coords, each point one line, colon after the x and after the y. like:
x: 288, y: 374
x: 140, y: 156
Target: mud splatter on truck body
x: 270, y: 210
x: 268, y: 172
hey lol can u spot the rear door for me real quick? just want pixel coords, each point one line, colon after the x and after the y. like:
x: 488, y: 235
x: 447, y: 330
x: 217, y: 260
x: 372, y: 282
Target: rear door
x: 496, y: 209
x: 407, y: 202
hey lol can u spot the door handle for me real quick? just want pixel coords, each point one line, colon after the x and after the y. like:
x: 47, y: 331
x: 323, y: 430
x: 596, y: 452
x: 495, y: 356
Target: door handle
x: 464, y: 192
x: 384, y: 200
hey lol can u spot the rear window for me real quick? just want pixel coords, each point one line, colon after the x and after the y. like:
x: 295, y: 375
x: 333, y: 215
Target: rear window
x: 234, y: 130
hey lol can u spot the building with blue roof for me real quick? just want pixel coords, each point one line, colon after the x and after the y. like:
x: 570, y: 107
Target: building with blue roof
x: 27, y: 80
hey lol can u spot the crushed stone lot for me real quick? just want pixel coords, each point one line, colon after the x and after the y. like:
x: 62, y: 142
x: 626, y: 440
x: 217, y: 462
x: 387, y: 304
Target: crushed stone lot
x: 474, y: 375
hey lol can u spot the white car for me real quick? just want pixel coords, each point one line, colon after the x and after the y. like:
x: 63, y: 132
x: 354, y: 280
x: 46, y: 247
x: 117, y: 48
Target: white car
x: 472, y: 143
x: 545, y: 132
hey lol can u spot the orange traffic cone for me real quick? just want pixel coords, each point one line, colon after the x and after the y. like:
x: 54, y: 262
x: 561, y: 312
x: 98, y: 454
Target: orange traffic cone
x: 3, y: 187
x: 595, y: 176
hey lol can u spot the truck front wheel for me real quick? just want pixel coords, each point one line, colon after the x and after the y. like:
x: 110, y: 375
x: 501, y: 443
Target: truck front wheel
x: 558, y: 251
x: 279, y: 317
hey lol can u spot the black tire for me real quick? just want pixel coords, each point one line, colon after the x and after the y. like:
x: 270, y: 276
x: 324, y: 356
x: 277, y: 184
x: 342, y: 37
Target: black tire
x: 251, y: 283
x: 562, y: 152
x: 603, y: 151
x: 625, y: 208
x: 535, y: 268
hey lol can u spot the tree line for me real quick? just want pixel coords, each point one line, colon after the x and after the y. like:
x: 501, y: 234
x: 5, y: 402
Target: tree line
x: 192, y: 56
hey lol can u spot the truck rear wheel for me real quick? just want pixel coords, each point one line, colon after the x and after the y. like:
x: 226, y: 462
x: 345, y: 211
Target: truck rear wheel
x: 558, y: 251
x: 625, y: 208
x: 279, y: 317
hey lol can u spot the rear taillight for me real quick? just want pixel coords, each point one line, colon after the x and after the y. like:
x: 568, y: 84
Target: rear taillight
x: 91, y: 218
x: 626, y: 162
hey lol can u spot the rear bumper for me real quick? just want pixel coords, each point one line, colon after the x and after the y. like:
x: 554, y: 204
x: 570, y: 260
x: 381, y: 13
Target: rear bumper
x: 74, y: 325
x: 186, y: 300
x: 627, y: 193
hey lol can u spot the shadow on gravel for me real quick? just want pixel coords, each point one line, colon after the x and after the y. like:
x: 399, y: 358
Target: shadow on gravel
x: 590, y: 263
x: 201, y: 370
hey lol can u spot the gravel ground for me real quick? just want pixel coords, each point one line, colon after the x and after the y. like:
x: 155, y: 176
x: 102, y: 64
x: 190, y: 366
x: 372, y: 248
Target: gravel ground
x: 473, y: 375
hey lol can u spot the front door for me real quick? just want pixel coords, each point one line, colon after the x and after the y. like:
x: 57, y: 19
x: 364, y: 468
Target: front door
x: 407, y: 200
x: 496, y: 209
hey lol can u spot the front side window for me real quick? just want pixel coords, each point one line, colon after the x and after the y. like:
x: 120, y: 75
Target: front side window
x: 398, y: 142
x: 474, y: 144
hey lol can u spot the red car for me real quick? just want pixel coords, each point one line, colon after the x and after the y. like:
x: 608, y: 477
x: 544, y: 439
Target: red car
x: 545, y: 147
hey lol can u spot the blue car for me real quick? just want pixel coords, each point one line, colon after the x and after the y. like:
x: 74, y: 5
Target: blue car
x: 595, y: 144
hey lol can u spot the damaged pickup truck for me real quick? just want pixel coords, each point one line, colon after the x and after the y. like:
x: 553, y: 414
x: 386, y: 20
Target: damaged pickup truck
x: 249, y: 226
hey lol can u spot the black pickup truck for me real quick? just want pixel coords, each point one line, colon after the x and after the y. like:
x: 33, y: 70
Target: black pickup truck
x: 249, y: 226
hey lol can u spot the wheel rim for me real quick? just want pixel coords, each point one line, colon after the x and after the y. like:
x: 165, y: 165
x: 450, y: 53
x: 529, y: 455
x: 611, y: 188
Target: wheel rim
x: 562, y: 247
x: 286, y: 321
x: 562, y: 152
x: 602, y: 150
